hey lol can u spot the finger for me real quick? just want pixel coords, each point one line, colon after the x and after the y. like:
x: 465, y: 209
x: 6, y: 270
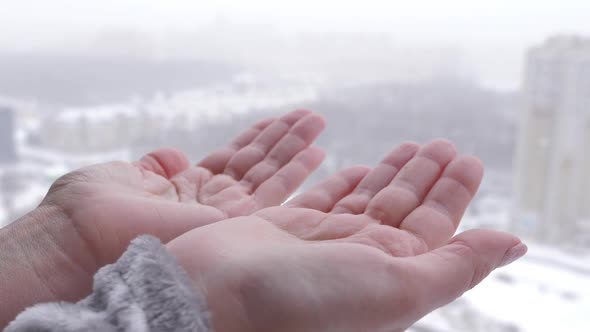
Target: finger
x: 377, y: 179
x: 440, y: 276
x: 299, y: 137
x: 408, y: 188
x: 256, y: 150
x: 323, y: 196
x: 437, y: 219
x: 277, y: 189
x: 216, y: 161
x: 165, y: 162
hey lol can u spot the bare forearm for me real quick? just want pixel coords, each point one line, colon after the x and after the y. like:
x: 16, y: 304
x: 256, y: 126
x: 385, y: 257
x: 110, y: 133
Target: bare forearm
x: 39, y: 262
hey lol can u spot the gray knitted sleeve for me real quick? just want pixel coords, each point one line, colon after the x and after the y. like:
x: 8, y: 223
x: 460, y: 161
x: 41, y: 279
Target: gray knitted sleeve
x: 145, y: 290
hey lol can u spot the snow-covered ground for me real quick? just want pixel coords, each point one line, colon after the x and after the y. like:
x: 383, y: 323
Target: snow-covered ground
x: 547, y: 290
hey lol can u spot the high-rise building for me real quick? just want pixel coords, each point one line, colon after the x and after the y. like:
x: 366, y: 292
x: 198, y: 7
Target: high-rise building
x: 552, y: 178
x: 7, y: 151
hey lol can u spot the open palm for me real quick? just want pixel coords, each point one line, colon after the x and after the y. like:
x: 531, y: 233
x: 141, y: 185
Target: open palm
x: 366, y: 250
x: 163, y: 195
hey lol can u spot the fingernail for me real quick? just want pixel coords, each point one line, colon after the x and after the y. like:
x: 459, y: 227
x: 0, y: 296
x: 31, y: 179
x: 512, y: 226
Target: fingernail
x: 513, y: 254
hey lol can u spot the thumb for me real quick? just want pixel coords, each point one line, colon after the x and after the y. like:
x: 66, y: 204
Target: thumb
x: 444, y: 274
x: 165, y: 162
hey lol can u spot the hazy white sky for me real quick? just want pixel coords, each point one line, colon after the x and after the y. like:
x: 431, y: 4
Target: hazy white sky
x: 506, y: 27
x: 450, y: 20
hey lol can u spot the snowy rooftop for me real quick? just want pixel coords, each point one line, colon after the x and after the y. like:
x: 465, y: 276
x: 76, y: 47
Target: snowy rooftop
x: 96, y: 114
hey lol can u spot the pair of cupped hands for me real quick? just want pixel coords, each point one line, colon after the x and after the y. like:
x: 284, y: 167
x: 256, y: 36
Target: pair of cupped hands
x: 367, y: 249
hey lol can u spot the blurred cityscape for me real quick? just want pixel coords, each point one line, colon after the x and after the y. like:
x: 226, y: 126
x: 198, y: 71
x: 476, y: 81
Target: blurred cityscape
x: 61, y: 112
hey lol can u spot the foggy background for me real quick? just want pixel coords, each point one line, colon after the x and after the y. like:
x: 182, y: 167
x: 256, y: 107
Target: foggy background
x: 83, y: 82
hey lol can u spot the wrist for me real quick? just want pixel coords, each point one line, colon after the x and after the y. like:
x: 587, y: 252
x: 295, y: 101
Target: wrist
x: 42, y: 259
x: 220, y: 288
